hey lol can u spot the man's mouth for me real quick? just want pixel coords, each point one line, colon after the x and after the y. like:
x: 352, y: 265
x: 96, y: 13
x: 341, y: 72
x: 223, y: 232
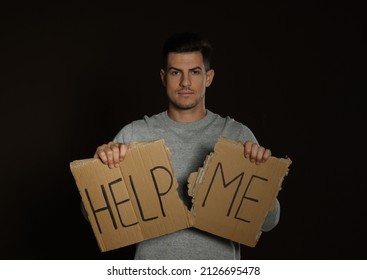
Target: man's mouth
x: 185, y: 93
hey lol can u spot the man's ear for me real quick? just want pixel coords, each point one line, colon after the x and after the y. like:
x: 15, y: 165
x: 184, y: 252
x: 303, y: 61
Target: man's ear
x: 162, y: 73
x: 209, y: 77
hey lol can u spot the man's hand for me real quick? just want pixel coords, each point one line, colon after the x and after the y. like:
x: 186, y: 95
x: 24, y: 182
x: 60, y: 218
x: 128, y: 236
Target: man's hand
x: 111, y: 154
x: 255, y: 152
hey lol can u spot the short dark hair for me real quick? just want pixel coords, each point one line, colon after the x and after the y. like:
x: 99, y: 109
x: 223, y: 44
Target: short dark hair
x: 187, y: 42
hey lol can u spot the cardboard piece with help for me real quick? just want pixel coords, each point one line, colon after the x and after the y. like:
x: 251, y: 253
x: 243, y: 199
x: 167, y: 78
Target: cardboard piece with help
x: 231, y: 195
x: 139, y: 200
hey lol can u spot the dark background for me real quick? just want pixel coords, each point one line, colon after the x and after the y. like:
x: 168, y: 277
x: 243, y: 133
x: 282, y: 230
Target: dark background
x: 72, y: 76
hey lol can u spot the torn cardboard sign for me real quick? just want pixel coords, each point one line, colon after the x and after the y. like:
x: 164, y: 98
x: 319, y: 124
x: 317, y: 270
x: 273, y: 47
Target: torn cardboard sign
x: 231, y: 195
x: 139, y: 200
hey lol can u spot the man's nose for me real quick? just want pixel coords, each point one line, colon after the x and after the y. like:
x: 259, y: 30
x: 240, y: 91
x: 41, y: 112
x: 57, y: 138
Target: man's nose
x: 185, y: 81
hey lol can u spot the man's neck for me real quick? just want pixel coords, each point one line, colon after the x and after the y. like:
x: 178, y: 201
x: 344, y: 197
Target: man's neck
x: 189, y: 115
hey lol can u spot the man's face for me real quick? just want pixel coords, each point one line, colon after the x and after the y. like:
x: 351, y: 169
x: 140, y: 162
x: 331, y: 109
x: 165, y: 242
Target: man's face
x: 185, y: 80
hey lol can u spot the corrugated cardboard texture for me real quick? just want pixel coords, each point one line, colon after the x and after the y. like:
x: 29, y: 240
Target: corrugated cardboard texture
x: 134, y: 202
x: 231, y: 195
x: 139, y: 200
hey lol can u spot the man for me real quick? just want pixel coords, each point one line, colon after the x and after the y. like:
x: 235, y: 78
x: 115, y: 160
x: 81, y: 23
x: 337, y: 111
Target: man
x: 190, y: 131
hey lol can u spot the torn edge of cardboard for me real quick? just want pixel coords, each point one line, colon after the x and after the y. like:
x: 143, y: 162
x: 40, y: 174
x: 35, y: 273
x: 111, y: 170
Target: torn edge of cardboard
x: 232, y: 196
x: 133, y: 203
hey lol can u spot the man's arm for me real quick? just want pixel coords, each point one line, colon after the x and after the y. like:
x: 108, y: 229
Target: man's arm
x: 258, y: 154
x: 272, y: 218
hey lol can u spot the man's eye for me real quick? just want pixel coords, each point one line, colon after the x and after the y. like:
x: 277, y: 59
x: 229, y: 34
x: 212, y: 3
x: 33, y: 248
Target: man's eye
x: 196, y: 72
x: 174, y: 73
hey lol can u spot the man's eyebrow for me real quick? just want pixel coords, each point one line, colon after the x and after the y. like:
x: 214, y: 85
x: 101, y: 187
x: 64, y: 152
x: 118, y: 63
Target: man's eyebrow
x: 192, y: 69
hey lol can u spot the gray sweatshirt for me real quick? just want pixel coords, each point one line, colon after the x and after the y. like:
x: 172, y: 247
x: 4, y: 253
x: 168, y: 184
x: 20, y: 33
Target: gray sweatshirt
x: 189, y: 144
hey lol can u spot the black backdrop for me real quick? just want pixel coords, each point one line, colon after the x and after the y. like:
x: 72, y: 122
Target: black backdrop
x: 72, y: 76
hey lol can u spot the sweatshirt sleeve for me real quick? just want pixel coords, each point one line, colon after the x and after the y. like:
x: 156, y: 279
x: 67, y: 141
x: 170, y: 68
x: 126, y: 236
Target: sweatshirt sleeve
x: 272, y: 218
x: 124, y: 135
